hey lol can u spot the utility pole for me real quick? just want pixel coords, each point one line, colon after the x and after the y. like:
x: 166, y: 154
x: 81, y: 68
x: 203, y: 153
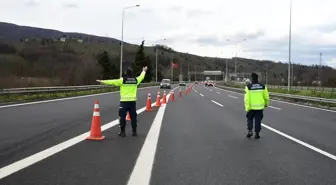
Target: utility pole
x: 188, y: 73
x: 289, y: 47
x: 320, y: 70
x: 266, y: 73
x: 226, y: 71
x: 195, y: 73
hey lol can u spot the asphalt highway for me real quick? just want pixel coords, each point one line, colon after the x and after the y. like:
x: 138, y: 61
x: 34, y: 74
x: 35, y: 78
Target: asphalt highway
x: 196, y: 139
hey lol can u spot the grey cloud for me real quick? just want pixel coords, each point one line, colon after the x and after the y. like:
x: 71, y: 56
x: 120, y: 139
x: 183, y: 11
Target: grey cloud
x: 70, y: 5
x: 175, y: 8
x: 228, y: 39
x: 210, y: 40
x: 197, y: 13
x: 31, y: 3
x: 301, y: 52
x: 327, y: 28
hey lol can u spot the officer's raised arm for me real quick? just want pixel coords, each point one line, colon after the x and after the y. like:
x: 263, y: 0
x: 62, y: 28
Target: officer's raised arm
x: 142, y: 75
x: 114, y: 82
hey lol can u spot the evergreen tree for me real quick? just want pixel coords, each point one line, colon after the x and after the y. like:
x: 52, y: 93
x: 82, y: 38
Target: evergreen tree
x: 109, y: 70
x: 140, y: 60
x: 149, y: 73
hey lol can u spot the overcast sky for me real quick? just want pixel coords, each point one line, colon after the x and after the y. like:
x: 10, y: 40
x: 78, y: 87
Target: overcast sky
x: 199, y: 27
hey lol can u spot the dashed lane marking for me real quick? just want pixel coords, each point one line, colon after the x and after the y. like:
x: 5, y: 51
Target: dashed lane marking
x: 217, y: 103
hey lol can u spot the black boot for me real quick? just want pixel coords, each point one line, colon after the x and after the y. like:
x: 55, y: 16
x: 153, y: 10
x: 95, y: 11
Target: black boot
x: 257, y: 136
x: 249, y: 134
x: 134, y: 132
x: 122, y: 132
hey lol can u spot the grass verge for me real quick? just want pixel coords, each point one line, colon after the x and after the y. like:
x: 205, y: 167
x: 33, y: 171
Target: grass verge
x: 22, y: 98
x: 313, y: 93
x: 288, y: 99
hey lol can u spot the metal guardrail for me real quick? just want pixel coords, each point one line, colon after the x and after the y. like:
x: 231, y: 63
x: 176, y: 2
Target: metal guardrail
x: 12, y: 91
x: 327, y: 89
x: 290, y: 96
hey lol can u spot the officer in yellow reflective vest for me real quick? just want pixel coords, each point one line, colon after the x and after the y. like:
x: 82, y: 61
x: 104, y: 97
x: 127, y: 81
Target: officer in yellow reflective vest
x: 128, y: 96
x: 256, y: 99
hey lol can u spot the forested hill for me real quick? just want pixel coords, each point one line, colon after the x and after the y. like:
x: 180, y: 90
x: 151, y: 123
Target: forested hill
x: 32, y: 56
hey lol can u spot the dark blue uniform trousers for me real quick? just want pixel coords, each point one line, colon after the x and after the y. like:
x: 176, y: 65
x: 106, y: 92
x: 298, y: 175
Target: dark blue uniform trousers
x: 257, y: 116
x: 123, y: 109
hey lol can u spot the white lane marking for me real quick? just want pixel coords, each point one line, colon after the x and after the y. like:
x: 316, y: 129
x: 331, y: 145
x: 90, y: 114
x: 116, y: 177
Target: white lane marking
x: 274, y: 108
x: 195, y: 91
x: 23, y: 163
x: 61, y: 99
x: 142, y: 170
x: 218, y: 92
x: 284, y: 102
x: 301, y: 142
x: 217, y: 103
x: 210, y: 90
x: 233, y: 97
x: 202, y: 95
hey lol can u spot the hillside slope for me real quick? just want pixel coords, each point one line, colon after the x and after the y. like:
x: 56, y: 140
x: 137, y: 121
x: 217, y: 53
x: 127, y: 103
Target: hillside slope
x: 32, y: 56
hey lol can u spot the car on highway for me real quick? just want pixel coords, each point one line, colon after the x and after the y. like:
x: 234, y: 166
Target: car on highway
x: 210, y: 83
x: 165, y: 84
x: 182, y: 83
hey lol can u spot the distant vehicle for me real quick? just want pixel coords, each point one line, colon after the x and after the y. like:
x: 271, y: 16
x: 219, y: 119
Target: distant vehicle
x: 196, y: 82
x: 210, y: 83
x: 182, y: 83
x: 165, y: 83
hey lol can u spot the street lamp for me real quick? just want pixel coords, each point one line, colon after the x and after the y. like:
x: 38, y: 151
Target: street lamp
x: 156, y: 61
x: 289, y: 45
x: 122, y: 36
x: 236, y: 57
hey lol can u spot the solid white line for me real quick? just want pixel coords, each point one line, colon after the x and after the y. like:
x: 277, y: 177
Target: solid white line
x: 301, y: 142
x: 274, y: 107
x: 202, y: 95
x: 233, y: 97
x: 284, y: 102
x: 218, y: 92
x: 23, y: 163
x: 142, y: 170
x: 61, y: 99
x: 217, y: 103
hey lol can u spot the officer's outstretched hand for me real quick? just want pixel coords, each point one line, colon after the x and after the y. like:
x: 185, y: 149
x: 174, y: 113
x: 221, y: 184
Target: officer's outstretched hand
x: 99, y: 81
x: 145, y: 68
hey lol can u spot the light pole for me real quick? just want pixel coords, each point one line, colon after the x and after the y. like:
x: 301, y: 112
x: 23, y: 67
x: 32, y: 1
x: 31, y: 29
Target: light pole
x: 236, y: 57
x: 122, y: 36
x: 289, y: 46
x: 156, y: 62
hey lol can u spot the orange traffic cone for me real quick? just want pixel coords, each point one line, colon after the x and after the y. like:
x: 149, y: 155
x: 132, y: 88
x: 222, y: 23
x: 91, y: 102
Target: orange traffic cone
x: 128, y: 117
x: 149, y: 103
x: 172, y: 98
x: 158, y: 100
x: 164, y: 100
x: 96, y: 133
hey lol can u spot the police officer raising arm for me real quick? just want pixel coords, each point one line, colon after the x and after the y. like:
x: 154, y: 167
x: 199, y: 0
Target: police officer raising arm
x: 256, y: 99
x: 128, y: 96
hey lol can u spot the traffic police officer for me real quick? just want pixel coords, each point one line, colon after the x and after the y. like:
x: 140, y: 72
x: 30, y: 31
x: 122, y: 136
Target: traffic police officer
x: 256, y: 99
x: 128, y: 96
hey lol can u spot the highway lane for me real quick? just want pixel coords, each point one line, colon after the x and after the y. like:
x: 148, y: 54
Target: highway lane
x: 200, y: 142
x: 314, y: 126
x: 28, y: 129
x: 104, y: 162
x: 204, y: 143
